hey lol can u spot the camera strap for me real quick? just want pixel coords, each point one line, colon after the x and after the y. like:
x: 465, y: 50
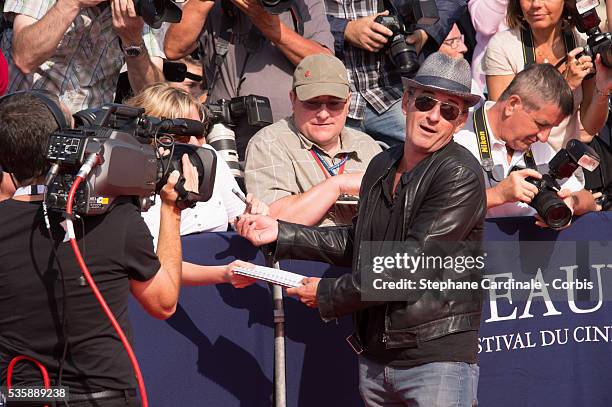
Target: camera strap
x: 529, y: 49
x: 529, y: 160
x: 222, y: 42
x: 186, y: 199
x: 484, y: 140
x: 328, y: 170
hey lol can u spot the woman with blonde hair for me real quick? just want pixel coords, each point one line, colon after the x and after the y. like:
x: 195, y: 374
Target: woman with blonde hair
x: 543, y: 31
x: 165, y: 101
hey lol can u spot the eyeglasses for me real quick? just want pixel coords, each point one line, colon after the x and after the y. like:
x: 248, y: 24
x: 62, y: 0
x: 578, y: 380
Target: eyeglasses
x: 454, y: 42
x: 448, y: 111
x: 333, y: 106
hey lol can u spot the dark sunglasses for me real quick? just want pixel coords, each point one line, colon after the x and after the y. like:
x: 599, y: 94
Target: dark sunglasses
x: 448, y: 111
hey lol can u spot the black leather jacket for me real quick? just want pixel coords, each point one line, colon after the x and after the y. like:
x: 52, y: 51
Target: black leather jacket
x: 446, y: 201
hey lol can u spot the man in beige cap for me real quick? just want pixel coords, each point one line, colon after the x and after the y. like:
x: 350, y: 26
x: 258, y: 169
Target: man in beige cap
x: 308, y: 167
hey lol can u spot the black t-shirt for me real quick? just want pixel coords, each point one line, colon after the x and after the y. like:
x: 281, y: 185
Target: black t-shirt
x: 387, y: 220
x: 117, y: 246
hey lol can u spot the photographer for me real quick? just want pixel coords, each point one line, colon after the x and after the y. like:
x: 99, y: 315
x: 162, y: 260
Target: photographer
x: 76, y: 48
x: 545, y: 32
x: 360, y: 42
x: 260, y: 54
x: 513, y: 128
x: 47, y: 311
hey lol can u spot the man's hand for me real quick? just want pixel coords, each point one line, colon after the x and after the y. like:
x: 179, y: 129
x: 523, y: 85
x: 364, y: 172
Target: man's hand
x: 168, y: 194
x: 307, y: 292
x: 365, y: 33
x: 255, y: 206
x: 418, y: 38
x: 258, y: 229
x: 253, y: 9
x: 514, y: 188
x: 349, y: 183
x: 126, y: 23
x: 237, y: 280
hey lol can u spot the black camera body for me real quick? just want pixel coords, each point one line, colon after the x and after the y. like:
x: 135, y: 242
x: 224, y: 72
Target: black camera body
x: 256, y: 110
x: 224, y: 115
x: 131, y: 167
x: 587, y: 21
x: 546, y: 202
x: 156, y: 12
x: 402, y: 21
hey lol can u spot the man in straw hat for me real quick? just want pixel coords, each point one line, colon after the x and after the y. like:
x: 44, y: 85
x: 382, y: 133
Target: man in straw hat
x: 417, y: 342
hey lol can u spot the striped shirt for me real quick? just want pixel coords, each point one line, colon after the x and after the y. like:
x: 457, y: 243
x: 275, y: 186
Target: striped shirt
x: 85, y: 67
x: 372, y: 76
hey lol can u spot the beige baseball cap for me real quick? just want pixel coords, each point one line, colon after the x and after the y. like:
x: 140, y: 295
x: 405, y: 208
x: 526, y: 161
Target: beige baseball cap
x: 320, y: 75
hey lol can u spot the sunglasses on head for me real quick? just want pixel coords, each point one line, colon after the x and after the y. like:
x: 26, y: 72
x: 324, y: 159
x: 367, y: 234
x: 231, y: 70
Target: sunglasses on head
x: 448, y: 111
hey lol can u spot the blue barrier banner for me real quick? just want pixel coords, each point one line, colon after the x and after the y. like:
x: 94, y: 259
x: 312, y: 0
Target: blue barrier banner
x: 547, y: 346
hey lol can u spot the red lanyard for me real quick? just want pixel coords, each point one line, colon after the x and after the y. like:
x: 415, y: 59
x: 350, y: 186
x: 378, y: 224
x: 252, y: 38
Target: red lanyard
x: 327, y: 170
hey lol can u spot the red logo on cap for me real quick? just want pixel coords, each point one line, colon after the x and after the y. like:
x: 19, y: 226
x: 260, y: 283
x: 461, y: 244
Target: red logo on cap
x: 307, y: 74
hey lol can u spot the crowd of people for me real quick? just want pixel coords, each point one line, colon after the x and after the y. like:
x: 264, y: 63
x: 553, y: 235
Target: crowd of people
x: 358, y: 151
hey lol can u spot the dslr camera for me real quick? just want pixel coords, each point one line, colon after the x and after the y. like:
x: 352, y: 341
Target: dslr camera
x: 587, y: 21
x: 157, y: 12
x: 546, y: 202
x: 131, y: 166
x: 402, y: 22
x: 224, y: 115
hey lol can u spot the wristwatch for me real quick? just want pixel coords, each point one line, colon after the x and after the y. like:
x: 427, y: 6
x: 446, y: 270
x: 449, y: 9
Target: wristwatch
x: 133, y: 50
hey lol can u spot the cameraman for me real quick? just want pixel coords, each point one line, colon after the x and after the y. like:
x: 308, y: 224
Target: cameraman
x: 376, y: 85
x: 536, y: 100
x: 47, y: 311
x: 261, y: 52
x: 76, y: 48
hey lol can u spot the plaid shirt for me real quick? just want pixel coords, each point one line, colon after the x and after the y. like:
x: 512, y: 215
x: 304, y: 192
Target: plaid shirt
x: 279, y: 163
x: 85, y: 68
x: 373, y: 77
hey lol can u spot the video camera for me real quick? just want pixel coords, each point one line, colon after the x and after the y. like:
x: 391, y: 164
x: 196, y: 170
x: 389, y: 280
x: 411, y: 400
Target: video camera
x: 402, y: 20
x: 131, y: 166
x: 546, y: 202
x: 587, y: 21
x: 224, y: 114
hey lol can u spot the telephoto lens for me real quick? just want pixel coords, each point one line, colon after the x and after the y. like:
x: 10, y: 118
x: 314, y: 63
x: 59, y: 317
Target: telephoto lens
x: 223, y: 139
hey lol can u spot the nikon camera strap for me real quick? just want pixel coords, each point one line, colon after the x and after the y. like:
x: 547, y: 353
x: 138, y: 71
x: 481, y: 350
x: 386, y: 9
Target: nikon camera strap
x: 528, y: 48
x: 484, y: 146
x: 484, y: 141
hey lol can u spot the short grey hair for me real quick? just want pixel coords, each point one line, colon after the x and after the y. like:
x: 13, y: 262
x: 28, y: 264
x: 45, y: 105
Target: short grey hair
x: 541, y: 83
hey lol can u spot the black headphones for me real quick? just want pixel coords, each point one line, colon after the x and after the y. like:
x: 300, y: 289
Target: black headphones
x: 43, y: 96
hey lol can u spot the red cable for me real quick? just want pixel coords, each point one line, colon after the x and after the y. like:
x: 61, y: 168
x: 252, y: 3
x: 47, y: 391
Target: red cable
x: 43, y: 370
x: 107, y: 311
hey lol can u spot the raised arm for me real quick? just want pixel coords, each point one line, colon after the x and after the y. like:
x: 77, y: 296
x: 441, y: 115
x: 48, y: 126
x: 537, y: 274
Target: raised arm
x: 291, y: 44
x: 35, y: 41
x: 311, y: 206
x: 182, y: 38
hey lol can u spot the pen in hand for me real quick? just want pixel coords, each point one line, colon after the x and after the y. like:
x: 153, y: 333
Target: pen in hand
x: 240, y: 195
